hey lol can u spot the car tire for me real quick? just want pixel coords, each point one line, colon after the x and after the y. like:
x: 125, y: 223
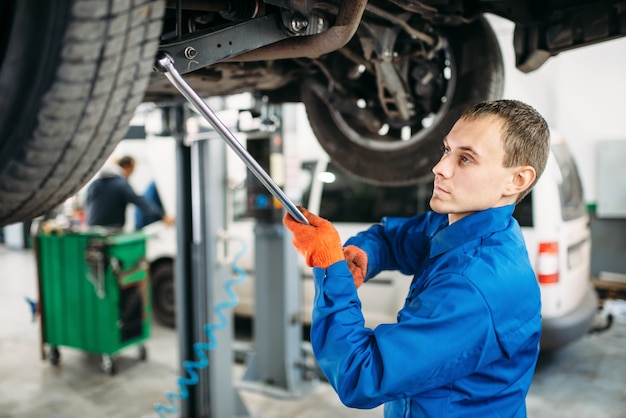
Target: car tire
x: 477, y: 75
x: 163, y: 293
x: 72, y: 73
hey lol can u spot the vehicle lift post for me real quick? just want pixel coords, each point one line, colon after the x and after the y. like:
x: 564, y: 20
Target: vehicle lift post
x: 277, y: 365
x: 198, y: 239
x: 200, y: 275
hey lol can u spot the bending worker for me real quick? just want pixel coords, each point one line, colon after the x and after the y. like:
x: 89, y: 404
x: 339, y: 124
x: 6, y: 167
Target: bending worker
x: 466, y: 342
x: 110, y: 193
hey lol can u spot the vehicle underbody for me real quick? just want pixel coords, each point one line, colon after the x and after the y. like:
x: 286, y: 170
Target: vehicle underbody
x: 382, y: 81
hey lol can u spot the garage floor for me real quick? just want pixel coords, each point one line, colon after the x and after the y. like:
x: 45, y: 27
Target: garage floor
x: 585, y: 379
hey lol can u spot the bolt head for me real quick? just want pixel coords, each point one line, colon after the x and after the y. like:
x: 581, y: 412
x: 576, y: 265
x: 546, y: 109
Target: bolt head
x: 190, y: 52
x: 299, y: 24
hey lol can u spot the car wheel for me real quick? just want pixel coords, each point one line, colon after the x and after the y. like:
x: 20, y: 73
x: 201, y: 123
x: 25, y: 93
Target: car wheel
x: 163, y: 296
x: 360, y: 133
x: 72, y: 73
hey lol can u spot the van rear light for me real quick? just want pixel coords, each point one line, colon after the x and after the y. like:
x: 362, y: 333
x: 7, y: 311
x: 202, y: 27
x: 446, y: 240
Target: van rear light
x: 548, y: 263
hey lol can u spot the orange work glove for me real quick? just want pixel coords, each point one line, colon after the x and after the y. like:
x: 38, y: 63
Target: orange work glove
x: 357, y: 263
x: 318, y: 242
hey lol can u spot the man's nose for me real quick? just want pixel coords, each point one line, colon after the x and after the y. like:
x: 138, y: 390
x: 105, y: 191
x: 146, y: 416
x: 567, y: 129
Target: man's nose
x: 443, y: 168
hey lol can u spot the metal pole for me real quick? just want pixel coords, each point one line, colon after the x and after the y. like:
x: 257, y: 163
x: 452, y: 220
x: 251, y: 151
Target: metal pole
x: 200, y: 277
x: 184, y: 264
x: 277, y: 365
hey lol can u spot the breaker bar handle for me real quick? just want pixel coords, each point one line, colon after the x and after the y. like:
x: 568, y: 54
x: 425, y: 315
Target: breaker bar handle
x: 165, y: 64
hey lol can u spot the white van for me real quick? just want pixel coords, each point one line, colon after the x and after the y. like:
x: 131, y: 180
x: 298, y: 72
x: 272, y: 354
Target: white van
x: 553, y: 217
x: 555, y: 223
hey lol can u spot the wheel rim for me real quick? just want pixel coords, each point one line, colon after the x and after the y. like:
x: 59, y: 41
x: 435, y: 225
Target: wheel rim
x: 350, y: 137
x: 398, y: 135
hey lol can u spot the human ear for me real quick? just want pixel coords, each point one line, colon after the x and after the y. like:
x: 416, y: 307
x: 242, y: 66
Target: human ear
x: 522, y: 178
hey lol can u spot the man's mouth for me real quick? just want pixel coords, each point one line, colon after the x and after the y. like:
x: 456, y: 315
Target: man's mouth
x: 438, y: 189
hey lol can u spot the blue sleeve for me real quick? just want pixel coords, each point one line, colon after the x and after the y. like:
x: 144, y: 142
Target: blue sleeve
x: 149, y: 208
x: 445, y: 334
x: 395, y: 243
x: 152, y: 195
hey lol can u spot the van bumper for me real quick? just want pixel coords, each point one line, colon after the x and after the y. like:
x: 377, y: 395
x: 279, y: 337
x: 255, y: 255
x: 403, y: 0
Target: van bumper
x: 557, y: 332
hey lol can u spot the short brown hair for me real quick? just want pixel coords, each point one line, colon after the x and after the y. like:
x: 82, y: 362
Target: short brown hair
x: 525, y: 134
x: 126, y: 162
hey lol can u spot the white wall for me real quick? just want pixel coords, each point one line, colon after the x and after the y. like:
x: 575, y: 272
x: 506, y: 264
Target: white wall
x: 581, y: 93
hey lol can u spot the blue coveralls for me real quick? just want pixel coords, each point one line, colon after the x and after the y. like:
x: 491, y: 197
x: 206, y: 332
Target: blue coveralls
x: 467, y: 339
x: 107, y: 198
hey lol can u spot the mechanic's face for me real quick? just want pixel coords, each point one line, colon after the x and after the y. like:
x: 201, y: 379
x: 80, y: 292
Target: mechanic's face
x: 470, y: 176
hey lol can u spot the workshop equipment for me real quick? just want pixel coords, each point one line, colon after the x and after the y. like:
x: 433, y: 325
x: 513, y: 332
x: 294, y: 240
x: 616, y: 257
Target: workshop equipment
x: 165, y: 64
x: 93, y: 292
x: 203, y: 393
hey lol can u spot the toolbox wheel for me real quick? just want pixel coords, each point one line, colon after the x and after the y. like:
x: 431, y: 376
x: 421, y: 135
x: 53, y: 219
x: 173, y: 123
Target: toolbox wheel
x: 55, y: 356
x: 108, y: 365
x: 143, y: 352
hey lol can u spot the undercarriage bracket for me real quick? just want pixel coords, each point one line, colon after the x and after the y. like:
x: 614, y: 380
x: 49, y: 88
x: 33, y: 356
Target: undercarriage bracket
x: 200, y: 51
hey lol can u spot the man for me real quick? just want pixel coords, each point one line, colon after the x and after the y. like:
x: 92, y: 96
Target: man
x: 467, y: 339
x: 108, y: 195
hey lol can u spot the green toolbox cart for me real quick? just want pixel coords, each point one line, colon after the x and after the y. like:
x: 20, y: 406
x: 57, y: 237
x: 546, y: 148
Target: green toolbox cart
x: 93, y: 292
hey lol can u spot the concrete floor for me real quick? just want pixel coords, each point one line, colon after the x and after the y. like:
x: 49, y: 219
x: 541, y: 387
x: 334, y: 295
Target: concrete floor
x: 585, y: 379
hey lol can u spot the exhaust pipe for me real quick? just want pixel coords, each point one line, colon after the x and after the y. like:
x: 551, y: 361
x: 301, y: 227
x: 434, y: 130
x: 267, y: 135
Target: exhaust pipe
x: 348, y: 19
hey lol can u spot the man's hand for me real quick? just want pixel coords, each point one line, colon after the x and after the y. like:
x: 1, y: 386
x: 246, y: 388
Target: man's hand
x: 318, y: 242
x: 357, y: 263
x: 168, y: 220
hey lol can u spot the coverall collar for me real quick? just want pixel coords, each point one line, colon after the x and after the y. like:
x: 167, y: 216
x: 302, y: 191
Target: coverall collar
x: 470, y: 228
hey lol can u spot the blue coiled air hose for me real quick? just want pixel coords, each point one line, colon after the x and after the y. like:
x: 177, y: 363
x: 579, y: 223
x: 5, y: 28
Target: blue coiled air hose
x: 190, y: 377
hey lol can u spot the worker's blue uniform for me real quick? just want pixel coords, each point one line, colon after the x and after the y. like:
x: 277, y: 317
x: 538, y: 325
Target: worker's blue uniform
x: 107, y: 197
x: 467, y: 339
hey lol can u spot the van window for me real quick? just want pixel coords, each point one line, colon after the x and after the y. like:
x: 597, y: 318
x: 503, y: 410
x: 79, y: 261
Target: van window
x: 570, y: 188
x: 524, y: 211
x: 347, y: 199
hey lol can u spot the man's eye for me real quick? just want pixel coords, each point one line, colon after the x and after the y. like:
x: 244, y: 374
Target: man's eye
x: 445, y: 150
x: 465, y: 159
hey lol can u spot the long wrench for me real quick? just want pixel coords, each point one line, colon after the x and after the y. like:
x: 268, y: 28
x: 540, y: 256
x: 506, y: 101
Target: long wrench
x: 165, y: 64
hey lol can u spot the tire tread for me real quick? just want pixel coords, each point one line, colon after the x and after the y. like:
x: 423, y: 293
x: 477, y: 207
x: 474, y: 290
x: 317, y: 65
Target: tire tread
x: 106, y: 60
